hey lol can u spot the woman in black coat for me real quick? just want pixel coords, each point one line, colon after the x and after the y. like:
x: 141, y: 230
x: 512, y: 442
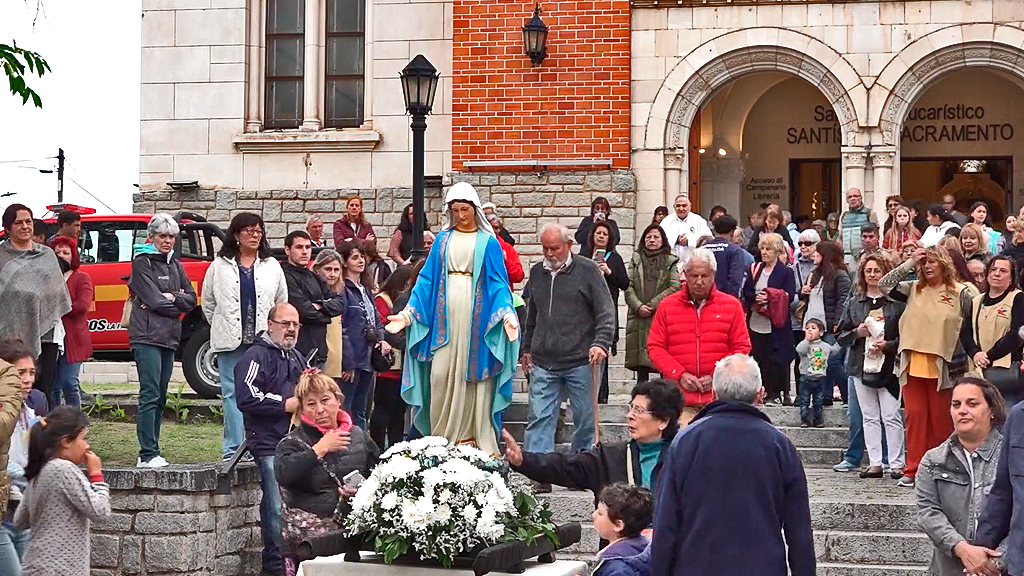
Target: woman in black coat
x: 826, y: 293
x: 311, y: 463
x: 772, y: 346
x: 600, y: 211
x: 600, y: 249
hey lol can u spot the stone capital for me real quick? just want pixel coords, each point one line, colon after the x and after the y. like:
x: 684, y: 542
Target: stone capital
x: 674, y: 160
x: 883, y: 157
x: 855, y: 157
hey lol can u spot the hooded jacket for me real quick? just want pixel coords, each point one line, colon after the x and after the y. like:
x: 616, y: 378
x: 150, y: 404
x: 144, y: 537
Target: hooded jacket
x: 156, y: 321
x: 265, y: 378
x: 623, y: 558
x: 733, y: 500
x: 306, y: 288
x: 731, y: 269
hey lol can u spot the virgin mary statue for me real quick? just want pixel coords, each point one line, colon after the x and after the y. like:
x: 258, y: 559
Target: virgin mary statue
x: 463, y: 337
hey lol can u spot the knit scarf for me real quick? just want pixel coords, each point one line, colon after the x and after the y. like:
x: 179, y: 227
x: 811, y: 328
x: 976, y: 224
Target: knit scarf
x: 33, y: 292
x: 652, y: 264
x: 344, y: 422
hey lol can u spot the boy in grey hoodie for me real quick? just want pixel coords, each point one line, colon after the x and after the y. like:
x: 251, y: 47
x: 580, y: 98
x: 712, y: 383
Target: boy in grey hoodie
x: 813, y: 353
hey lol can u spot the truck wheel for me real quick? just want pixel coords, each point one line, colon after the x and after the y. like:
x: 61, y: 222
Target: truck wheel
x: 199, y: 364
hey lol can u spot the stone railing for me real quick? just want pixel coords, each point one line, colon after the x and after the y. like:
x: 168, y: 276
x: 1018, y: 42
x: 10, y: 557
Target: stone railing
x: 175, y: 521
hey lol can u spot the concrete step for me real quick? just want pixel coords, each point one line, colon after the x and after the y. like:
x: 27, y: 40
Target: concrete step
x: 848, y: 547
x: 838, y: 569
x: 616, y: 432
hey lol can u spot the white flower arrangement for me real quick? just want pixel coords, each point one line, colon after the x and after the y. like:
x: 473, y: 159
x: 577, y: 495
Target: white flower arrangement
x: 443, y: 500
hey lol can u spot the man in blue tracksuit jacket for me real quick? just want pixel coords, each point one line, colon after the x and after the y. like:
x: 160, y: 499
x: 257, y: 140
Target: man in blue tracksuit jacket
x: 732, y: 499
x: 265, y: 381
x: 731, y: 270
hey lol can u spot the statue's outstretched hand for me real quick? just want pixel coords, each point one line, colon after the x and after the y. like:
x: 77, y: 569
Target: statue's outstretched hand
x: 396, y: 323
x: 511, y: 322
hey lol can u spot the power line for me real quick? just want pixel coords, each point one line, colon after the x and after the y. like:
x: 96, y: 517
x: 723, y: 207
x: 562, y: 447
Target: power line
x: 90, y: 193
x: 26, y: 160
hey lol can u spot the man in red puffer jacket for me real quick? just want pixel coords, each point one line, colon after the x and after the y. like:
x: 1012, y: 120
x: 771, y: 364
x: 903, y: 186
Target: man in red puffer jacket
x: 695, y: 328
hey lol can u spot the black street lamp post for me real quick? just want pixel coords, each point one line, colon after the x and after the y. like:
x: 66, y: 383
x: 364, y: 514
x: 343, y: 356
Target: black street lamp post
x: 419, y: 81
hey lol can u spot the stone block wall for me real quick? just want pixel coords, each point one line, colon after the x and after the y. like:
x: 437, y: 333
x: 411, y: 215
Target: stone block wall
x: 525, y: 201
x: 171, y: 522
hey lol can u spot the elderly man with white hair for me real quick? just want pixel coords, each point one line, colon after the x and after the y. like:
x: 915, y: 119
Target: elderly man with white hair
x: 693, y: 329
x: 569, y: 330
x: 315, y: 229
x: 161, y: 293
x: 733, y: 496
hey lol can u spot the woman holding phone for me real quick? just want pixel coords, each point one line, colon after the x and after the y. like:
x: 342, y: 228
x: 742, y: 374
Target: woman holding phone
x: 599, y: 248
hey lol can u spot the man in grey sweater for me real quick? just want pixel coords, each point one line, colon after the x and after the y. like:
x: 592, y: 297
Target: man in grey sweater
x: 569, y: 330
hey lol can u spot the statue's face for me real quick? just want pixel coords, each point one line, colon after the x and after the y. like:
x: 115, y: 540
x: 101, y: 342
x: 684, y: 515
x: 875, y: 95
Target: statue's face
x: 464, y: 214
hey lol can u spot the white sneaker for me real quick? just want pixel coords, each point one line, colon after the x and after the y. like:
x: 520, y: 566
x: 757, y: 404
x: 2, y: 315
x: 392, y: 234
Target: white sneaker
x: 154, y: 462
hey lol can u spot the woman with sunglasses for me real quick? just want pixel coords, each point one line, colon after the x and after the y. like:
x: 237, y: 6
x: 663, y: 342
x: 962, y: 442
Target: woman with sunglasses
x: 241, y: 286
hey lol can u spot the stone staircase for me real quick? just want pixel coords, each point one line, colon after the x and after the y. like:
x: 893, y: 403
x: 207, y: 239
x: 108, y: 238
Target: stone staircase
x: 861, y: 527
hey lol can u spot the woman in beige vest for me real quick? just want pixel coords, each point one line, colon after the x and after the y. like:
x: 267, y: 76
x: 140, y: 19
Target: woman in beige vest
x: 328, y: 266
x: 991, y: 329
x: 929, y: 340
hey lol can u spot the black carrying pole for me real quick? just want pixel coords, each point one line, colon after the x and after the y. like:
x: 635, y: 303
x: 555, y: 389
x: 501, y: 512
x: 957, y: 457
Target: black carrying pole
x: 419, y: 126
x: 60, y: 176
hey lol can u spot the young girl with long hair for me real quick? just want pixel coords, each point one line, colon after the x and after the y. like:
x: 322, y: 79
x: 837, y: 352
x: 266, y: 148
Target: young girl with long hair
x: 901, y: 231
x: 387, y: 422
x: 61, y: 502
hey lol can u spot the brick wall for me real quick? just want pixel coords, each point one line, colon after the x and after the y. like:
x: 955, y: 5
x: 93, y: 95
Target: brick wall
x: 575, y: 105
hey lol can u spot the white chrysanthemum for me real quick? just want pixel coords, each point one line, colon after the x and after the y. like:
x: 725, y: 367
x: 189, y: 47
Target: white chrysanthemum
x: 432, y: 476
x: 398, y: 467
x: 442, y: 514
x: 436, y: 451
x: 394, y: 449
x: 462, y: 472
x: 389, y: 501
x: 469, y: 513
x: 445, y: 496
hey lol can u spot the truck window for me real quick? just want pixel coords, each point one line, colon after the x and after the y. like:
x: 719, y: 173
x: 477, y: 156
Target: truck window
x: 106, y: 242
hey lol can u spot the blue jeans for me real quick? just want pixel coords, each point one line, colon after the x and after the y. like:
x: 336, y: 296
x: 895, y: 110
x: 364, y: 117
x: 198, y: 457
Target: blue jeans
x: 357, y: 393
x: 154, y: 364
x: 812, y: 388
x: 12, y: 548
x: 836, y: 375
x: 65, y: 382
x: 234, y: 429
x: 546, y: 387
x: 270, y: 515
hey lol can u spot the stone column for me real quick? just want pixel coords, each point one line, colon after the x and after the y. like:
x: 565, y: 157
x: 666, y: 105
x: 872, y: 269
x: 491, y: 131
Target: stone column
x: 882, y: 160
x: 855, y: 159
x: 311, y: 74
x: 254, y: 104
x: 676, y: 175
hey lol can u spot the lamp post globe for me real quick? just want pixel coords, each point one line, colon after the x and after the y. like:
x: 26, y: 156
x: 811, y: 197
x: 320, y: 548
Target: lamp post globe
x: 419, y: 83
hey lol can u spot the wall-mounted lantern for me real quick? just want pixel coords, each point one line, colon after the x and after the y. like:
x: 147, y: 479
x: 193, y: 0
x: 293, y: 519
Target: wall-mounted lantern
x: 535, y: 38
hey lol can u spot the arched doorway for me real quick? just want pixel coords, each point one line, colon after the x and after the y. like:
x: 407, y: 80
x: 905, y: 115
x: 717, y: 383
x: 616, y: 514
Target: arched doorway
x: 965, y: 136
x: 712, y: 67
x: 768, y: 137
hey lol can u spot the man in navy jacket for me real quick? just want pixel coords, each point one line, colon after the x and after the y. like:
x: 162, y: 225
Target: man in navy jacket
x: 732, y: 499
x: 265, y: 380
x: 731, y: 270
x: 1003, y: 518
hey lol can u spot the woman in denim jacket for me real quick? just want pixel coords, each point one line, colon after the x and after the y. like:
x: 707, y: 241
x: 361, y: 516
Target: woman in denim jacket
x: 954, y: 478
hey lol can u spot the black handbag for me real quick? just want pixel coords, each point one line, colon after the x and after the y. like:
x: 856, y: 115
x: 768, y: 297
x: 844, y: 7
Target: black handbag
x: 380, y: 361
x: 1004, y: 379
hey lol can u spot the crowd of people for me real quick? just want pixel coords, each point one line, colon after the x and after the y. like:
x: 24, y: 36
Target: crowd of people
x: 914, y: 324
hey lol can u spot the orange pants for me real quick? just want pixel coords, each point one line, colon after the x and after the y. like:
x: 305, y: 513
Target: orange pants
x: 928, y: 418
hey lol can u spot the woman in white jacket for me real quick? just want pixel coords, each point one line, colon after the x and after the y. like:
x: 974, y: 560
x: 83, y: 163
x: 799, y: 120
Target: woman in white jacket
x: 240, y: 288
x: 940, y: 223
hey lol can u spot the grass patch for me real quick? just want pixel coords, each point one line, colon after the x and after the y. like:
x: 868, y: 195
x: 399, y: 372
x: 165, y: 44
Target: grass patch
x: 116, y: 443
x: 127, y: 387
